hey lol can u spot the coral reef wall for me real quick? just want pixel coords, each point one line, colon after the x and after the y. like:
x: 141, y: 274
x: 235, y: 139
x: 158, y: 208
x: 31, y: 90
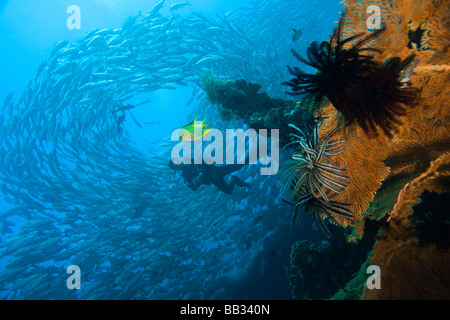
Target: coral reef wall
x: 388, y: 175
x: 424, y: 134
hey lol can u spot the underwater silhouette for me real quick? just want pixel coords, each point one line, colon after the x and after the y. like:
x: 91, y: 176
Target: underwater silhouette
x: 195, y: 175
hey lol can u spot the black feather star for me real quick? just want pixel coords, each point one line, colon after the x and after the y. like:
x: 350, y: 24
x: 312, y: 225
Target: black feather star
x: 363, y: 90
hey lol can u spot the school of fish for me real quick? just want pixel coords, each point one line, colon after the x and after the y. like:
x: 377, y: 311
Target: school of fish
x: 86, y: 196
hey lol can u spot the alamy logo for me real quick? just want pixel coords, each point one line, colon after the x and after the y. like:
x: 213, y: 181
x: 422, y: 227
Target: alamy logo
x: 374, y: 21
x: 74, y: 281
x: 74, y: 21
x: 374, y: 280
x: 213, y: 153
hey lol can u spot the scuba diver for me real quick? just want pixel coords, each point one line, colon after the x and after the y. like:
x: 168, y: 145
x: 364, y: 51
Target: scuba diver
x: 196, y: 175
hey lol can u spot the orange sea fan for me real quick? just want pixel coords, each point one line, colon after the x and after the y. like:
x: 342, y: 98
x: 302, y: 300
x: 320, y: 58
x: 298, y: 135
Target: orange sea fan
x: 424, y: 135
x: 419, y: 25
x: 412, y: 270
x: 424, y: 143
x: 433, y: 81
x: 363, y: 159
x: 430, y: 180
x: 415, y: 159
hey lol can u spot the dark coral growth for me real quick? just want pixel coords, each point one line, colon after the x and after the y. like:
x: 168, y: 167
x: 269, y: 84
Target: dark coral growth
x: 242, y: 100
x: 432, y: 220
x: 359, y: 87
x: 318, y: 271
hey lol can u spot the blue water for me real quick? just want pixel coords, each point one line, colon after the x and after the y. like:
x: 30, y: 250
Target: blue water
x: 71, y: 179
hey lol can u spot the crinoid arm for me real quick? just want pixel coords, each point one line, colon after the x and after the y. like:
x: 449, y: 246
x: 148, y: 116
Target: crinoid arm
x: 330, y: 208
x: 336, y: 207
x: 331, y: 184
x: 322, y: 226
x: 297, y: 206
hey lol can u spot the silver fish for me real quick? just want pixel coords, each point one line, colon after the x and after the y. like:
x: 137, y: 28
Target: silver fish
x: 179, y: 5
